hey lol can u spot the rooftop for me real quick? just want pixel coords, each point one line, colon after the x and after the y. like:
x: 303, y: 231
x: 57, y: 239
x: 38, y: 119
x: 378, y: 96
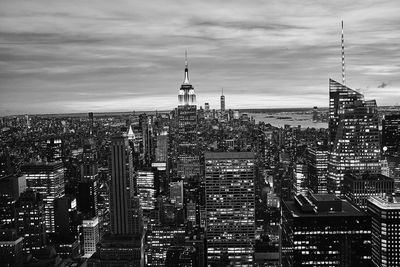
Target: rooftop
x: 368, y: 177
x: 385, y: 203
x: 229, y: 155
x: 325, y: 205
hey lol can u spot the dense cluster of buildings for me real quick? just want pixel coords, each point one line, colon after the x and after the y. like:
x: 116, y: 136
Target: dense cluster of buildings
x: 201, y: 187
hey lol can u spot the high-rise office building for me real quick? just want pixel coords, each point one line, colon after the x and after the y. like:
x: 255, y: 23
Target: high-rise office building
x: 191, y: 212
x: 385, y: 214
x: 315, y: 114
x: 66, y: 218
x: 159, y: 239
x: 300, y: 173
x: 91, y: 236
x: 222, y: 102
x: 89, y: 166
x: 10, y: 248
x: 358, y: 188
x: 391, y: 135
x: 341, y: 97
x: 12, y: 185
x: 322, y: 230
x: 87, y: 197
x: 53, y: 149
x: 162, y: 147
x: 354, y: 135
x: 230, y: 205
x: 176, y: 193
x: 317, y: 161
x: 31, y: 221
x: 146, y: 190
x: 117, y: 250
x: 122, y: 186
x: 47, y: 178
x: 188, y: 161
x: 7, y: 211
x: 123, y: 246
x: 88, y: 184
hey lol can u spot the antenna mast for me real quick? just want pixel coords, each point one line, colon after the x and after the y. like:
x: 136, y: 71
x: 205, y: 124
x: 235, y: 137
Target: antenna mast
x: 343, y: 69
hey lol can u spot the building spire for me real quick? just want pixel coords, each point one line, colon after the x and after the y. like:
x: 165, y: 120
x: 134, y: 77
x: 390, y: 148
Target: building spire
x: 343, y: 69
x: 186, y: 80
x: 222, y: 90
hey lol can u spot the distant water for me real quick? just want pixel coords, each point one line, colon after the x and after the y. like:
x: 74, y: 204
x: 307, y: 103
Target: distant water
x: 289, y: 118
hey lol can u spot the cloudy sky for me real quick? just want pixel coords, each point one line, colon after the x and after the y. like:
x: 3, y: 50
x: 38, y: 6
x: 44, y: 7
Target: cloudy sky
x: 80, y: 56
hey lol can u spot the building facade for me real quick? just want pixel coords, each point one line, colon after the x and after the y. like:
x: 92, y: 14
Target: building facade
x: 122, y: 186
x: 354, y: 135
x: 322, y: 230
x: 385, y: 214
x: 230, y: 207
x: 46, y: 178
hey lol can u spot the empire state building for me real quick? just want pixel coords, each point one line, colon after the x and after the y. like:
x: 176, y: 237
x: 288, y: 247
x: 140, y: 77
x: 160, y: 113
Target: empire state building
x: 186, y: 93
x: 188, y: 163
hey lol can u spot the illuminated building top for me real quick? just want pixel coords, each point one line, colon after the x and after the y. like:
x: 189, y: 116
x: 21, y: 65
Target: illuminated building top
x: 186, y: 93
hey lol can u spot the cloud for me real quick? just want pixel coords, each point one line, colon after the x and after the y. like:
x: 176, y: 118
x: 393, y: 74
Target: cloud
x: 280, y: 53
x: 382, y: 85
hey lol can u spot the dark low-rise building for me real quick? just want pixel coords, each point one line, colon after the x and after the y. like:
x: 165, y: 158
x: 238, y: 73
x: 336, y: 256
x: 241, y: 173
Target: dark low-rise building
x: 358, y: 188
x: 323, y: 230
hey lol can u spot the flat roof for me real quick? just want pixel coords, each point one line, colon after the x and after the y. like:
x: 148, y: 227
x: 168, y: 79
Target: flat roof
x: 325, y: 197
x: 229, y: 155
x: 368, y: 177
x: 384, y: 203
x: 348, y: 210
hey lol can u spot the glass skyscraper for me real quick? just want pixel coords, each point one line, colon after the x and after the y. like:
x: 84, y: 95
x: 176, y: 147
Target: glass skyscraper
x: 354, y: 135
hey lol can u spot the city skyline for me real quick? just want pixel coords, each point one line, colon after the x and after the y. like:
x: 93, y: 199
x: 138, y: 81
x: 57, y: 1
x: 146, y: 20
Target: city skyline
x: 77, y: 57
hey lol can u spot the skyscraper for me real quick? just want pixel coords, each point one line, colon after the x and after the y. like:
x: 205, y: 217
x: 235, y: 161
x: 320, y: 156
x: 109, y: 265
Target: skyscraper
x: 358, y: 188
x: 323, y: 230
x: 146, y: 190
x: 123, y: 246
x: 186, y: 93
x: 89, y: 166
x: 341, y: 97
x: 300, y: 173
x: 230, y: 204
x: 87, y: 198
x: 176, y: 193
x: 31, y: 221
x: 317, y: 160
x: 122, y: 186
x: 391, y: 135
x: 10, y: 248
x: 385, y: 213
x: 47, y: 178
x: 354, y: 135
x: 188, y: 162
x: 222, y: 101
x: 91, y: 236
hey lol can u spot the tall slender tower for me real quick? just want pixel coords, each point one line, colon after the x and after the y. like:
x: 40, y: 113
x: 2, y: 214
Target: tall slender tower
x: 186, y: 95
x: 122, y: 186
x: 188, y: 161
x: 222, y: 101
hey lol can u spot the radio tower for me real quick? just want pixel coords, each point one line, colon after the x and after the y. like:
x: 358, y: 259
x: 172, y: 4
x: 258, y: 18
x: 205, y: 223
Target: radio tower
x: 343, y: 70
